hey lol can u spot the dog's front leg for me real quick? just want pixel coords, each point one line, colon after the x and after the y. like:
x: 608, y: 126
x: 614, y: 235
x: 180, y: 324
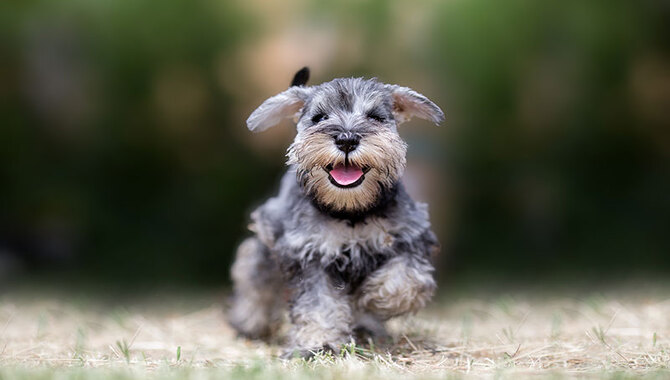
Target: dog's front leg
x: 402, y: 285
x: 321, y: 314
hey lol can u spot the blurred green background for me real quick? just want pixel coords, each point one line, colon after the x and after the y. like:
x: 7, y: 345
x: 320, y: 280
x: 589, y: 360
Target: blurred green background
x: 124, y: 156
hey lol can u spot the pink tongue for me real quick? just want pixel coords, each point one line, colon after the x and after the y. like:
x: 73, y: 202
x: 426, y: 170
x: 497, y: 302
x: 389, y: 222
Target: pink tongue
x: 346, y: 175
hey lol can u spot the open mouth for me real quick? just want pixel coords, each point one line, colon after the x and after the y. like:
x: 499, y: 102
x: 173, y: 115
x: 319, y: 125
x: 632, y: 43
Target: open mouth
x: 346, y: 176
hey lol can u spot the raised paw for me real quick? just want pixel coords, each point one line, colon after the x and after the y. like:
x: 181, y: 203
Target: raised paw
x: 399, y: 287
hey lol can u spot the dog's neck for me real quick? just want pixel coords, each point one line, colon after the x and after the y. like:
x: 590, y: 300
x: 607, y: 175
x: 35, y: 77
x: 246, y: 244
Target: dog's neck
x: 385, y: 201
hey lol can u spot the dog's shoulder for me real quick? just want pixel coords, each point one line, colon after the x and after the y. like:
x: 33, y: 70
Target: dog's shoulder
x: 270, y: 220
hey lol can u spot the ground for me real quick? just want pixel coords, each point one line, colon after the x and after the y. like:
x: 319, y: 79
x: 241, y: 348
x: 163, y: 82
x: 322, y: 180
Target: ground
x: 623, y: 332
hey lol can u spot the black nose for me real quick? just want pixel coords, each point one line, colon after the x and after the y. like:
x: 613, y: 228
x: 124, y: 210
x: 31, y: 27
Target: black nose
x: 347, y: 141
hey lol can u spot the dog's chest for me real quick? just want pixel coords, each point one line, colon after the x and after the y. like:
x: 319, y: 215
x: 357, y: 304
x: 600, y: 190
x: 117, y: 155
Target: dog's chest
x: 350, y: 253
x: 333, y: 239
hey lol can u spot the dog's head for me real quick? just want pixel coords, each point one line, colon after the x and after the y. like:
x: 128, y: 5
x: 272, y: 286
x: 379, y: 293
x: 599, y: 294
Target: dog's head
x: 347, y: 152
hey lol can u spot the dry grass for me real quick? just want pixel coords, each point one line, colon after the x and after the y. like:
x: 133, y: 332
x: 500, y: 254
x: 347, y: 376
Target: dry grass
x: 591, y: 335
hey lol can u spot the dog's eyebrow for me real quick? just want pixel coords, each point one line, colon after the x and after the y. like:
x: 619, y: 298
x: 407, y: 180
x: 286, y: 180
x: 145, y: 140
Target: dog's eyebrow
x: 317, y: 110
x: 320, y: 109
x: 377, y: 110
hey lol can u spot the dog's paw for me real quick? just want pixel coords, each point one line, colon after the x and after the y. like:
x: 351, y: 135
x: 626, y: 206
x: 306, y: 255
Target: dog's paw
x: 364, y: 335
x: 310, y: 353
x: 250, y: 328
x: 396, y: 289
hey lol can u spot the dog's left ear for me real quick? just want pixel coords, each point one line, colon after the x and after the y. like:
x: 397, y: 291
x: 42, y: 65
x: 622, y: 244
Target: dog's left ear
x: 408, y: 103
x: 277, y: 108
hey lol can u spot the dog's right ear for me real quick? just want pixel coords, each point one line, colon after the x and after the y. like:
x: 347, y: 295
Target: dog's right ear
x: 278, y: 108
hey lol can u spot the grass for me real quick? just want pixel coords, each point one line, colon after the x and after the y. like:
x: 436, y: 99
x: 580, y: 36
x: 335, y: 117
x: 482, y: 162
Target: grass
x: 617, y: 334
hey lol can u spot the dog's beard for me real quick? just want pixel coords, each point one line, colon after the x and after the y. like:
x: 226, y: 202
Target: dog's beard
x: 380, y: 157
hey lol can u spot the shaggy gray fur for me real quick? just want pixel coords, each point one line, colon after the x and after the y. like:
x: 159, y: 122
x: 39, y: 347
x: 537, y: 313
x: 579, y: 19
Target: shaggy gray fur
x: 343, y: 258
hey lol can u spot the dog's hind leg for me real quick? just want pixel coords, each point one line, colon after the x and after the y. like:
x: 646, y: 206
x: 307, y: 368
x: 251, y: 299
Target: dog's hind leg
x: 257, y: 298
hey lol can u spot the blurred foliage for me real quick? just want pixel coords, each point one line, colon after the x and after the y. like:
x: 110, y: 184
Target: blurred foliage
x: 559, y: 166
x: 93, y: 171
x: 118, y: 160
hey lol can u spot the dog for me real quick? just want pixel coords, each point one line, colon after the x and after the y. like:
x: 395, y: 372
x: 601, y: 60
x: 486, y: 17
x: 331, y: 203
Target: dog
x: 342, y: 245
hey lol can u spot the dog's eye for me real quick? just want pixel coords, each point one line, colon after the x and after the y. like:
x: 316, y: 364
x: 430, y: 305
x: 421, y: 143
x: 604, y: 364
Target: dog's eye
x: 319, y: 117
x: 376, y: 117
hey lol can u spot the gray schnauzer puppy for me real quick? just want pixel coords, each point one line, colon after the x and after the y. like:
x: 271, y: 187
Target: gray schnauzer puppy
x: 342, y: 244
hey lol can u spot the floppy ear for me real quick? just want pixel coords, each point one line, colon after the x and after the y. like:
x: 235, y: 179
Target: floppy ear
x: 408, y: 103
x: 278, y: 108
